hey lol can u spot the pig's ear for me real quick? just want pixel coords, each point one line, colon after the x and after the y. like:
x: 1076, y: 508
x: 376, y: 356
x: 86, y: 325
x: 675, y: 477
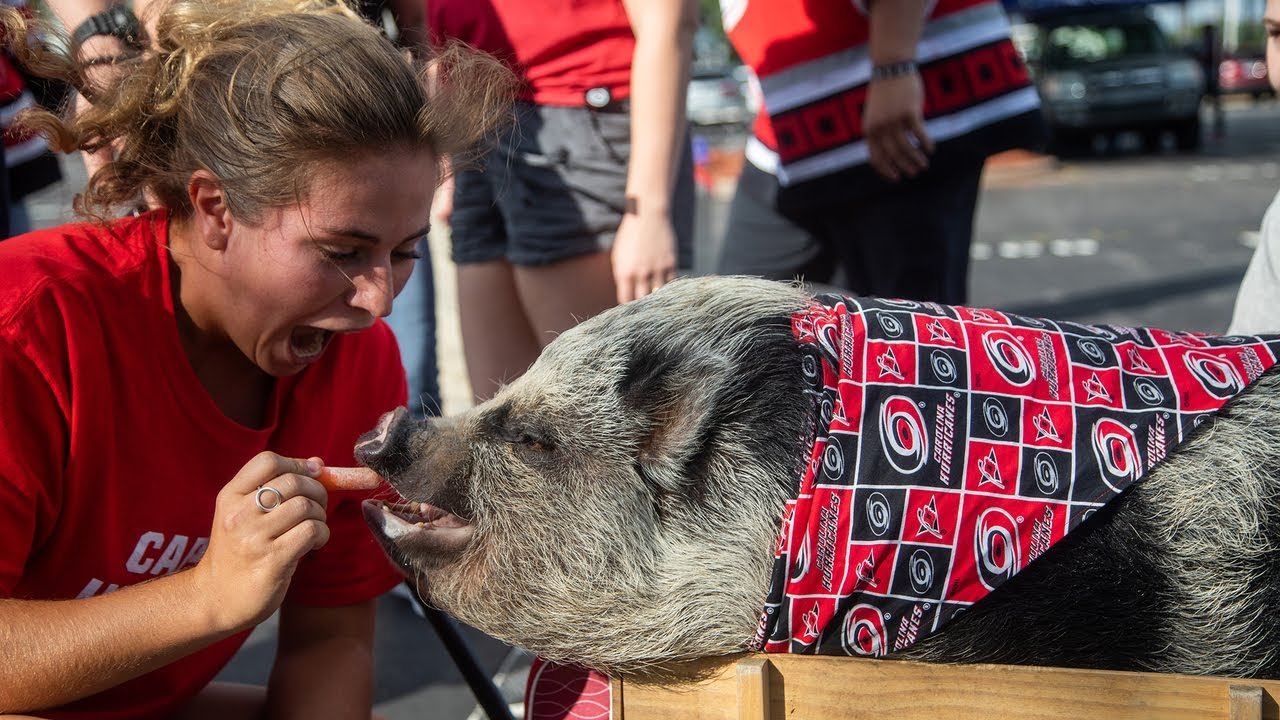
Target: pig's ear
x: 676, y: 396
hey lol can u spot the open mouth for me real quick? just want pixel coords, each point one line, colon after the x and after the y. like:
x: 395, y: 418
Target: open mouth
x: 414, y: 531
x: 308, y: 343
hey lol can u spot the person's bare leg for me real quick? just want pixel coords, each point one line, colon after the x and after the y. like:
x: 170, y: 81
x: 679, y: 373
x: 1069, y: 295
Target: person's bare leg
x: 233, y: 701
x: 560, y: 295
x: 497, y: 339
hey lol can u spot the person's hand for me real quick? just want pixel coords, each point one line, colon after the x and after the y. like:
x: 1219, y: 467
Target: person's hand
x: 252, y: 554
x: 644, y: 255
x: 894, y: 127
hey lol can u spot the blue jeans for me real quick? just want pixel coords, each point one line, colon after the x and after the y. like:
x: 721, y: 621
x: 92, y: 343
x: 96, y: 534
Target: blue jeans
x: 413, y: 320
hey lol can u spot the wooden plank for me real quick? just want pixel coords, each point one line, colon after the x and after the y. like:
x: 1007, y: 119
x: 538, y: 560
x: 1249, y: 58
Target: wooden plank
x: 1245, y: 702
x: 837, y: 687
x: 616, y: 709
x: 753, y: 688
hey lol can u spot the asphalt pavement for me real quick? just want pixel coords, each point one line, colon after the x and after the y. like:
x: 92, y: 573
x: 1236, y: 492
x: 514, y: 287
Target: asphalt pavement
x: 1119, y: 236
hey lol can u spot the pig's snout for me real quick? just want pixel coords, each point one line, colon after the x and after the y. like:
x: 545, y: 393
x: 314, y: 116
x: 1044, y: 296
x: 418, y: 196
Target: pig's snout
x: 385, y: 448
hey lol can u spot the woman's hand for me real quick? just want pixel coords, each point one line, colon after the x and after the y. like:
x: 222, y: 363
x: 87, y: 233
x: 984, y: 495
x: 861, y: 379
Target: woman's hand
x: 894, y: 124
x: 644, y: 255
x: 252, y: 553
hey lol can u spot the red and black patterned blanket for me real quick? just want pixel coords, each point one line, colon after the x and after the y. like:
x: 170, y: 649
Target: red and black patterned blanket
x: 952, y: 446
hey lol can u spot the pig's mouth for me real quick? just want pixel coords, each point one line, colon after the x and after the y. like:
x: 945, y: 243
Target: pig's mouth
x: 415, y: 533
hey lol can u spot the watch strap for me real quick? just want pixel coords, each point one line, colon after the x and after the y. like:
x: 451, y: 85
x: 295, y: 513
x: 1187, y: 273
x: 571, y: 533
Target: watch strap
x: 116, y: 21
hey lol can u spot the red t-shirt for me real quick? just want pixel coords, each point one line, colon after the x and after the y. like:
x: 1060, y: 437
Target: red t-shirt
x: 111, y: 451
x: 560, y: 48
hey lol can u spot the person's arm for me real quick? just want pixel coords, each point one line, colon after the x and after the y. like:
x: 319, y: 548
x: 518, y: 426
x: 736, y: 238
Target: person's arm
x: 72, y: 14
x: 644, y: 252
x: 894, y: 120
x: 324, y: 663
x: 59, y: 651
x: 411, y: 25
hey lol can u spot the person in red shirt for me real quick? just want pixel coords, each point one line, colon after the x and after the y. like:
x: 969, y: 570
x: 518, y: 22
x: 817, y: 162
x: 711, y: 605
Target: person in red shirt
x: 588, y: 202
x: 174, y: 381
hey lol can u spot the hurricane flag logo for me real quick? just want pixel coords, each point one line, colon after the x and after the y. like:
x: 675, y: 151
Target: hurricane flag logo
x: 1011, y: 360
x: 903, y: 435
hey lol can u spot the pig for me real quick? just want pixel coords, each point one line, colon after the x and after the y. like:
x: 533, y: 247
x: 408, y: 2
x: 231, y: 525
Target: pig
x: 620, y: 507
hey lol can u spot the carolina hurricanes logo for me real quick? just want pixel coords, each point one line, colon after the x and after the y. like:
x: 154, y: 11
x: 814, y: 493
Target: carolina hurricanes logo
x: 891, y: 325
x: 1045, y: 427
x: 943, y: 367
x: 927, y: 515
x: 833, y: 459
x: 1148, y: 391
x: 995, y: 543
x: 996, y: 418
x: 1116, y: 450
x: 800, y: 567
x: 787, y: 516
x: 1218, y: 376
x: 810, y: 620
x: 902, y: 434
x: 863, y: 632
x: 1137, y: 363
x: 981, y: 316
x: 921, y: 571
x: 938, y: 331
x: 811, y: 368
x: 866, y: 570
x: 1046, y: 473
x: 828, y: 335
x: 989, y: 468
x: 1012, y: 360
x: 1091, y: 351
x: 889, y: 364
x: 1095, y: 390
x: 898, y: 302
x: 879, y: 514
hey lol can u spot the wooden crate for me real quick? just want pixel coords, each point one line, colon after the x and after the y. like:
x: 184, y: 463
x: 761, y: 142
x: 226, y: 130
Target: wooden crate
x: 802, y: 687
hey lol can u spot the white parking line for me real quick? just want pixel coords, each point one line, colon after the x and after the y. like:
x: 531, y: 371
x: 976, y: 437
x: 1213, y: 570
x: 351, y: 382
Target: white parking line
x: 1030, y: 249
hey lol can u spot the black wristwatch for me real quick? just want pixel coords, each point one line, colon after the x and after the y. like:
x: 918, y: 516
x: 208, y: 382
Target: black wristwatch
x: 116, y: 21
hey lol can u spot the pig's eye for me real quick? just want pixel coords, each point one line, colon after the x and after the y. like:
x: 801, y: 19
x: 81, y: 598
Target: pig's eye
x: 535, y: 444
x: 529, y: 443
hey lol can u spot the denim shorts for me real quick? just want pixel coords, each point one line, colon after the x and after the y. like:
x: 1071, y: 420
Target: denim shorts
x: 552, y: 187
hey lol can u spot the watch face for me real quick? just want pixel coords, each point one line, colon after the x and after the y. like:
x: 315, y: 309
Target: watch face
x: 117, y: 22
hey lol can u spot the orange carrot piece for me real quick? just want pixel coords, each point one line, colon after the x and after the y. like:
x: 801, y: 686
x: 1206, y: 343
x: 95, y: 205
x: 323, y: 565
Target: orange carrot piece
x: 349, y: 478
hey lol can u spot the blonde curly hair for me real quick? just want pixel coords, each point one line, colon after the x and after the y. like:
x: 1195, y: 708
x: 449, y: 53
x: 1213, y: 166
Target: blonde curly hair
x: 257, y: 92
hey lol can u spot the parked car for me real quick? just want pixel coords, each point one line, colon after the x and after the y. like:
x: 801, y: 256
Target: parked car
x: 715, y: 97
x: 1244, y: 74
x: 1110, y: 70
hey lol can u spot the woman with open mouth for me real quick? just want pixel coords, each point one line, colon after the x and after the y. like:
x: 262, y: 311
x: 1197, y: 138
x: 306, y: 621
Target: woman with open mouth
x: 176, y: 381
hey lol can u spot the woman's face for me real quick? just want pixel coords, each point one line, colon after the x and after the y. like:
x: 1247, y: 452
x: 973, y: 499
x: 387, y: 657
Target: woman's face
x: 332, y: 263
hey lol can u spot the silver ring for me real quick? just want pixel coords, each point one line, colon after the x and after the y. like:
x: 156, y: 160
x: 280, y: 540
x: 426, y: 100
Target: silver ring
x: 257, y: 498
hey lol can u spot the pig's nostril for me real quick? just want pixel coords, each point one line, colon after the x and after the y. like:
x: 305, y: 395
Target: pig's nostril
x: 385, y: 448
